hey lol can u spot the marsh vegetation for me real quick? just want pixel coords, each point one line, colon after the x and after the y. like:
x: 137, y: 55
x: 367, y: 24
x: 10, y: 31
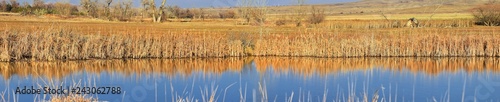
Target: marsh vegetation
x: 350, y: 52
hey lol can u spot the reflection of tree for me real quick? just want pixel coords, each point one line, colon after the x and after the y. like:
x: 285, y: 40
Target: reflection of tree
x: 305, y: 67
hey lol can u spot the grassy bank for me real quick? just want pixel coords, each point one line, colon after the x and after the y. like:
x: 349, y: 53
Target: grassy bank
x: 50, y: 45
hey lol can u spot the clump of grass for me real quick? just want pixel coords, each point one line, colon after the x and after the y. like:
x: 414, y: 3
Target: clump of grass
x: 72, y: 98
x: 4, y: 53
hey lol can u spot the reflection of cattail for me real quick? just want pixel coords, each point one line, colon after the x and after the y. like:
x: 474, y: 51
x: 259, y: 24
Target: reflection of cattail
x: 305, y: 67
x: 375, y: 96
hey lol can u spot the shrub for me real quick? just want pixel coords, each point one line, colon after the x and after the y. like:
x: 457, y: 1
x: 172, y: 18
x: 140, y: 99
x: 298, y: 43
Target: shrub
x: 227, y: 14
x: 280, y: 22
x: 19, y: 9
x: 39, y: 12
x: 488, y: 15
x: 6, y: 7
x: 63, y: 8
x: 14, y: 5
x: 317, y: 16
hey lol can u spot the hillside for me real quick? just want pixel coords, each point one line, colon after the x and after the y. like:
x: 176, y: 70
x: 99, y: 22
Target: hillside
x: 394, y: 9
x: 392, y: 6
x: 365, y: 9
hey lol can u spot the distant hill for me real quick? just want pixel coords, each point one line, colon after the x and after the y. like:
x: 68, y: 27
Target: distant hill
x: 431, y: 1
x: 374, y: 8
x: 390, y: 6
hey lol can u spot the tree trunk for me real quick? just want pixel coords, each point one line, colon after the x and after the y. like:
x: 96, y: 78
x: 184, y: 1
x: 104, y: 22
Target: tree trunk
x: 161, y: 10
x: 158, y: 13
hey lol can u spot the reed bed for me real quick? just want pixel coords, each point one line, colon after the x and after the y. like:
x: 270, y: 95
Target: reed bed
x: 62, y: 44
x: 377, y: 24
x: 305, y: 67
x: 419, y: 44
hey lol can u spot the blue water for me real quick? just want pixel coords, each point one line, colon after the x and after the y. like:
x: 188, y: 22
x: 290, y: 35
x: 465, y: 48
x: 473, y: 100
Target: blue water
x: 473, y: 79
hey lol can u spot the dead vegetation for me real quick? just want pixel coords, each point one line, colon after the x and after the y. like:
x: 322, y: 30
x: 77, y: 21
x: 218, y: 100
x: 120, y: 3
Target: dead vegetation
x: 72, y: 98
x: 431, y: 42
x: 378, y: 24
x: 488, y: 15
x: 317, y: 16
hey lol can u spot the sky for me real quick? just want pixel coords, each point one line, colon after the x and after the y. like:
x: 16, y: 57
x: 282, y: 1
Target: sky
x: 210, y: 3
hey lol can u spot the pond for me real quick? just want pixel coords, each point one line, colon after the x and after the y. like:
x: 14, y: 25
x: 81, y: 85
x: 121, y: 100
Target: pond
x: 260, y: 79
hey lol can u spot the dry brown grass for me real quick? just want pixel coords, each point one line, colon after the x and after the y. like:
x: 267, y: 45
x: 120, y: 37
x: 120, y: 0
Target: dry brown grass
x: 378, y: 24
x: 57, y: 44
x: 71, y: 98
x: 27, y: 40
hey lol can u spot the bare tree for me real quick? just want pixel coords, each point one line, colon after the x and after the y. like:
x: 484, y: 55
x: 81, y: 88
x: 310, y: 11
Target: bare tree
x: 90, y: 7
x: 253, y: 10
x: 300, y: 13
x: 487, y: 15
x: 317, y: 16
x: 123, y: 10
x: 244, y: 9
x: 3, y: 5
x: 227, y: 14
x: 107, y: 10
x: 159, y: 12
x: 145, y: 9
x: 202, y: 15
x: 156, y: 13
x: 260, y: 12
x: 175, y: 11
x: 14, y: 4
x: 63, y: 7
x: 194, y: 12
x: 126, y: 11
x: 85, y: 4
x: 38, y: 3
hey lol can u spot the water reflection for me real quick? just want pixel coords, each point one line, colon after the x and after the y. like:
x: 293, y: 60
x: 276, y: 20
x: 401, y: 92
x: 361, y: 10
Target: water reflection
x: 337, y: 79
x: 305, y: 67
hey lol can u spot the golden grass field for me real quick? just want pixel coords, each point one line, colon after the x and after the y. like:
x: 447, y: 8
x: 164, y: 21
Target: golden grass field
x: 28, y: 40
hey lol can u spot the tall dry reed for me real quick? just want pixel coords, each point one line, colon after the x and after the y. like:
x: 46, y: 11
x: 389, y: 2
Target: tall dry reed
x: 377, y: 24
x: 404, y: 42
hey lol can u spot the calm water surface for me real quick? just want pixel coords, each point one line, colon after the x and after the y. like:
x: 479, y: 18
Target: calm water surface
x: 270, y: 78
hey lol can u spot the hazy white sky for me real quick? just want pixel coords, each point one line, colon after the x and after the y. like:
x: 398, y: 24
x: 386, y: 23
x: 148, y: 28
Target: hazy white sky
x: 211, y: 3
